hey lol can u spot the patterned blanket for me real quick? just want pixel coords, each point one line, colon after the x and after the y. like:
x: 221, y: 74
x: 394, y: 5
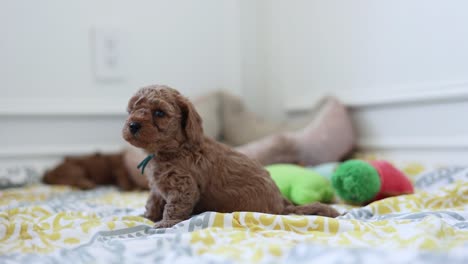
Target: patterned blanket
x: 58, y: 224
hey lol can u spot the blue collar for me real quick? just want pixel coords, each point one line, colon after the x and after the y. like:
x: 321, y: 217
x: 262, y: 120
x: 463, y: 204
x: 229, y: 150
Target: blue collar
x: 144, y: 162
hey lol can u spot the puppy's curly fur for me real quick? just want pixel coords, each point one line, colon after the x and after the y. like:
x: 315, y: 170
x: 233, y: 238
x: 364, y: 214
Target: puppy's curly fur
x: 192, y: 173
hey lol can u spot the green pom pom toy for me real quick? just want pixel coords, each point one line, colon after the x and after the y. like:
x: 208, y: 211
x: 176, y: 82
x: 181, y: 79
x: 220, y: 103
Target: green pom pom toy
x: 300, y: 185
x: 361, y: 182
x: 356, y: 181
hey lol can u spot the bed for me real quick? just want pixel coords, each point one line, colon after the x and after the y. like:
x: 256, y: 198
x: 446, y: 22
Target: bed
x: 57, y: 224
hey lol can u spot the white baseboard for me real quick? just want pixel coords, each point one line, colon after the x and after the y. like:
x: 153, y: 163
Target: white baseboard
x: 63, y: 107
x: 419, y: 143
x: 29, y: 138
x: 360, y: 98
x: 56, y: 150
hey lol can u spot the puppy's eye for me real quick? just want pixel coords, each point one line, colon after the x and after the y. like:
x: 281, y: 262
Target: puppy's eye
x: 159, y: 113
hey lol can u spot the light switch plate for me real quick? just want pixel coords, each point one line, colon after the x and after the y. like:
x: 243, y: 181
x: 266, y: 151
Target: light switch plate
x: 108, y: 54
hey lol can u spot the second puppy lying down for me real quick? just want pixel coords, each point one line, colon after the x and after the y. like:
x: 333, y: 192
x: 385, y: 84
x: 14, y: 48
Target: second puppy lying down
x: 192, y: 173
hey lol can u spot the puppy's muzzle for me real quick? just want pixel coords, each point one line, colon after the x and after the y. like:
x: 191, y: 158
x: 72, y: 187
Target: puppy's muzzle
x: 134, y: 127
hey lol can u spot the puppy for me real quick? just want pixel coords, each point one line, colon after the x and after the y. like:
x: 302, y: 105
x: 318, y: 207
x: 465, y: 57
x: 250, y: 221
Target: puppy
x: 89, y: 171
x: 192, y: 173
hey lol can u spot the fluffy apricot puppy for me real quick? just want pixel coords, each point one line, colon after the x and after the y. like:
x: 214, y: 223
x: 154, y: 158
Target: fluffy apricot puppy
x: 191, y: 173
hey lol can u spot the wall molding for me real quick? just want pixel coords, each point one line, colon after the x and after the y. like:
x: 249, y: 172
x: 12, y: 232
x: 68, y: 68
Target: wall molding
x: 354, y: 98
x: 77, y: 106
x: 41, y: 151
x: 361, y: 98
x: 415, y: 143
x: 105, y: 106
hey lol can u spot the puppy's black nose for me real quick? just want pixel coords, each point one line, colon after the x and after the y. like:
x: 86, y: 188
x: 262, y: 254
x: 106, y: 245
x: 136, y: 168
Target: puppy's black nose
x: 134, y: 127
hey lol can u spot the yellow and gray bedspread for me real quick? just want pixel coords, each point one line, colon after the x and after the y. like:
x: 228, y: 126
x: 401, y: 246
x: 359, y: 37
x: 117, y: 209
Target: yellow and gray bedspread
x: 41, y: 223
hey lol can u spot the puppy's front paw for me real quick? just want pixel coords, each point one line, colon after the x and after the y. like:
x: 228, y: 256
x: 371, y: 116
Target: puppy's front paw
x: 166, y: 223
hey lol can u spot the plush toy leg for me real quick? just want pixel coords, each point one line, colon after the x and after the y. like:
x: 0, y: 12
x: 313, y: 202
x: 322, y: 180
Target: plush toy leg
x: 327, y: 138
x: 279, y: 148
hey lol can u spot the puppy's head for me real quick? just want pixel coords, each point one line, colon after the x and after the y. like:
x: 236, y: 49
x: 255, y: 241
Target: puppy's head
x: 161, y: 119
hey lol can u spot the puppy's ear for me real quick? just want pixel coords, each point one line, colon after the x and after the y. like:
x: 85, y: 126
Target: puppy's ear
x: 191, y: 120
x: 131, y: 102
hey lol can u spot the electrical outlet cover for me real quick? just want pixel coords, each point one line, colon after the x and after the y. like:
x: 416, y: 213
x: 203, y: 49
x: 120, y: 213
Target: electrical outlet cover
x: 108, y: 54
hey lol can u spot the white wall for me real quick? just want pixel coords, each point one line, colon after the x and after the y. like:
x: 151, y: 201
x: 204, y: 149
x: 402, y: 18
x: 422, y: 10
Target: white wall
x: 334, y: 46
x: 50, y: 101
x: 278, y: 54
x: 45, y: 47
x: 402, y: 67
x: 254, y: 59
